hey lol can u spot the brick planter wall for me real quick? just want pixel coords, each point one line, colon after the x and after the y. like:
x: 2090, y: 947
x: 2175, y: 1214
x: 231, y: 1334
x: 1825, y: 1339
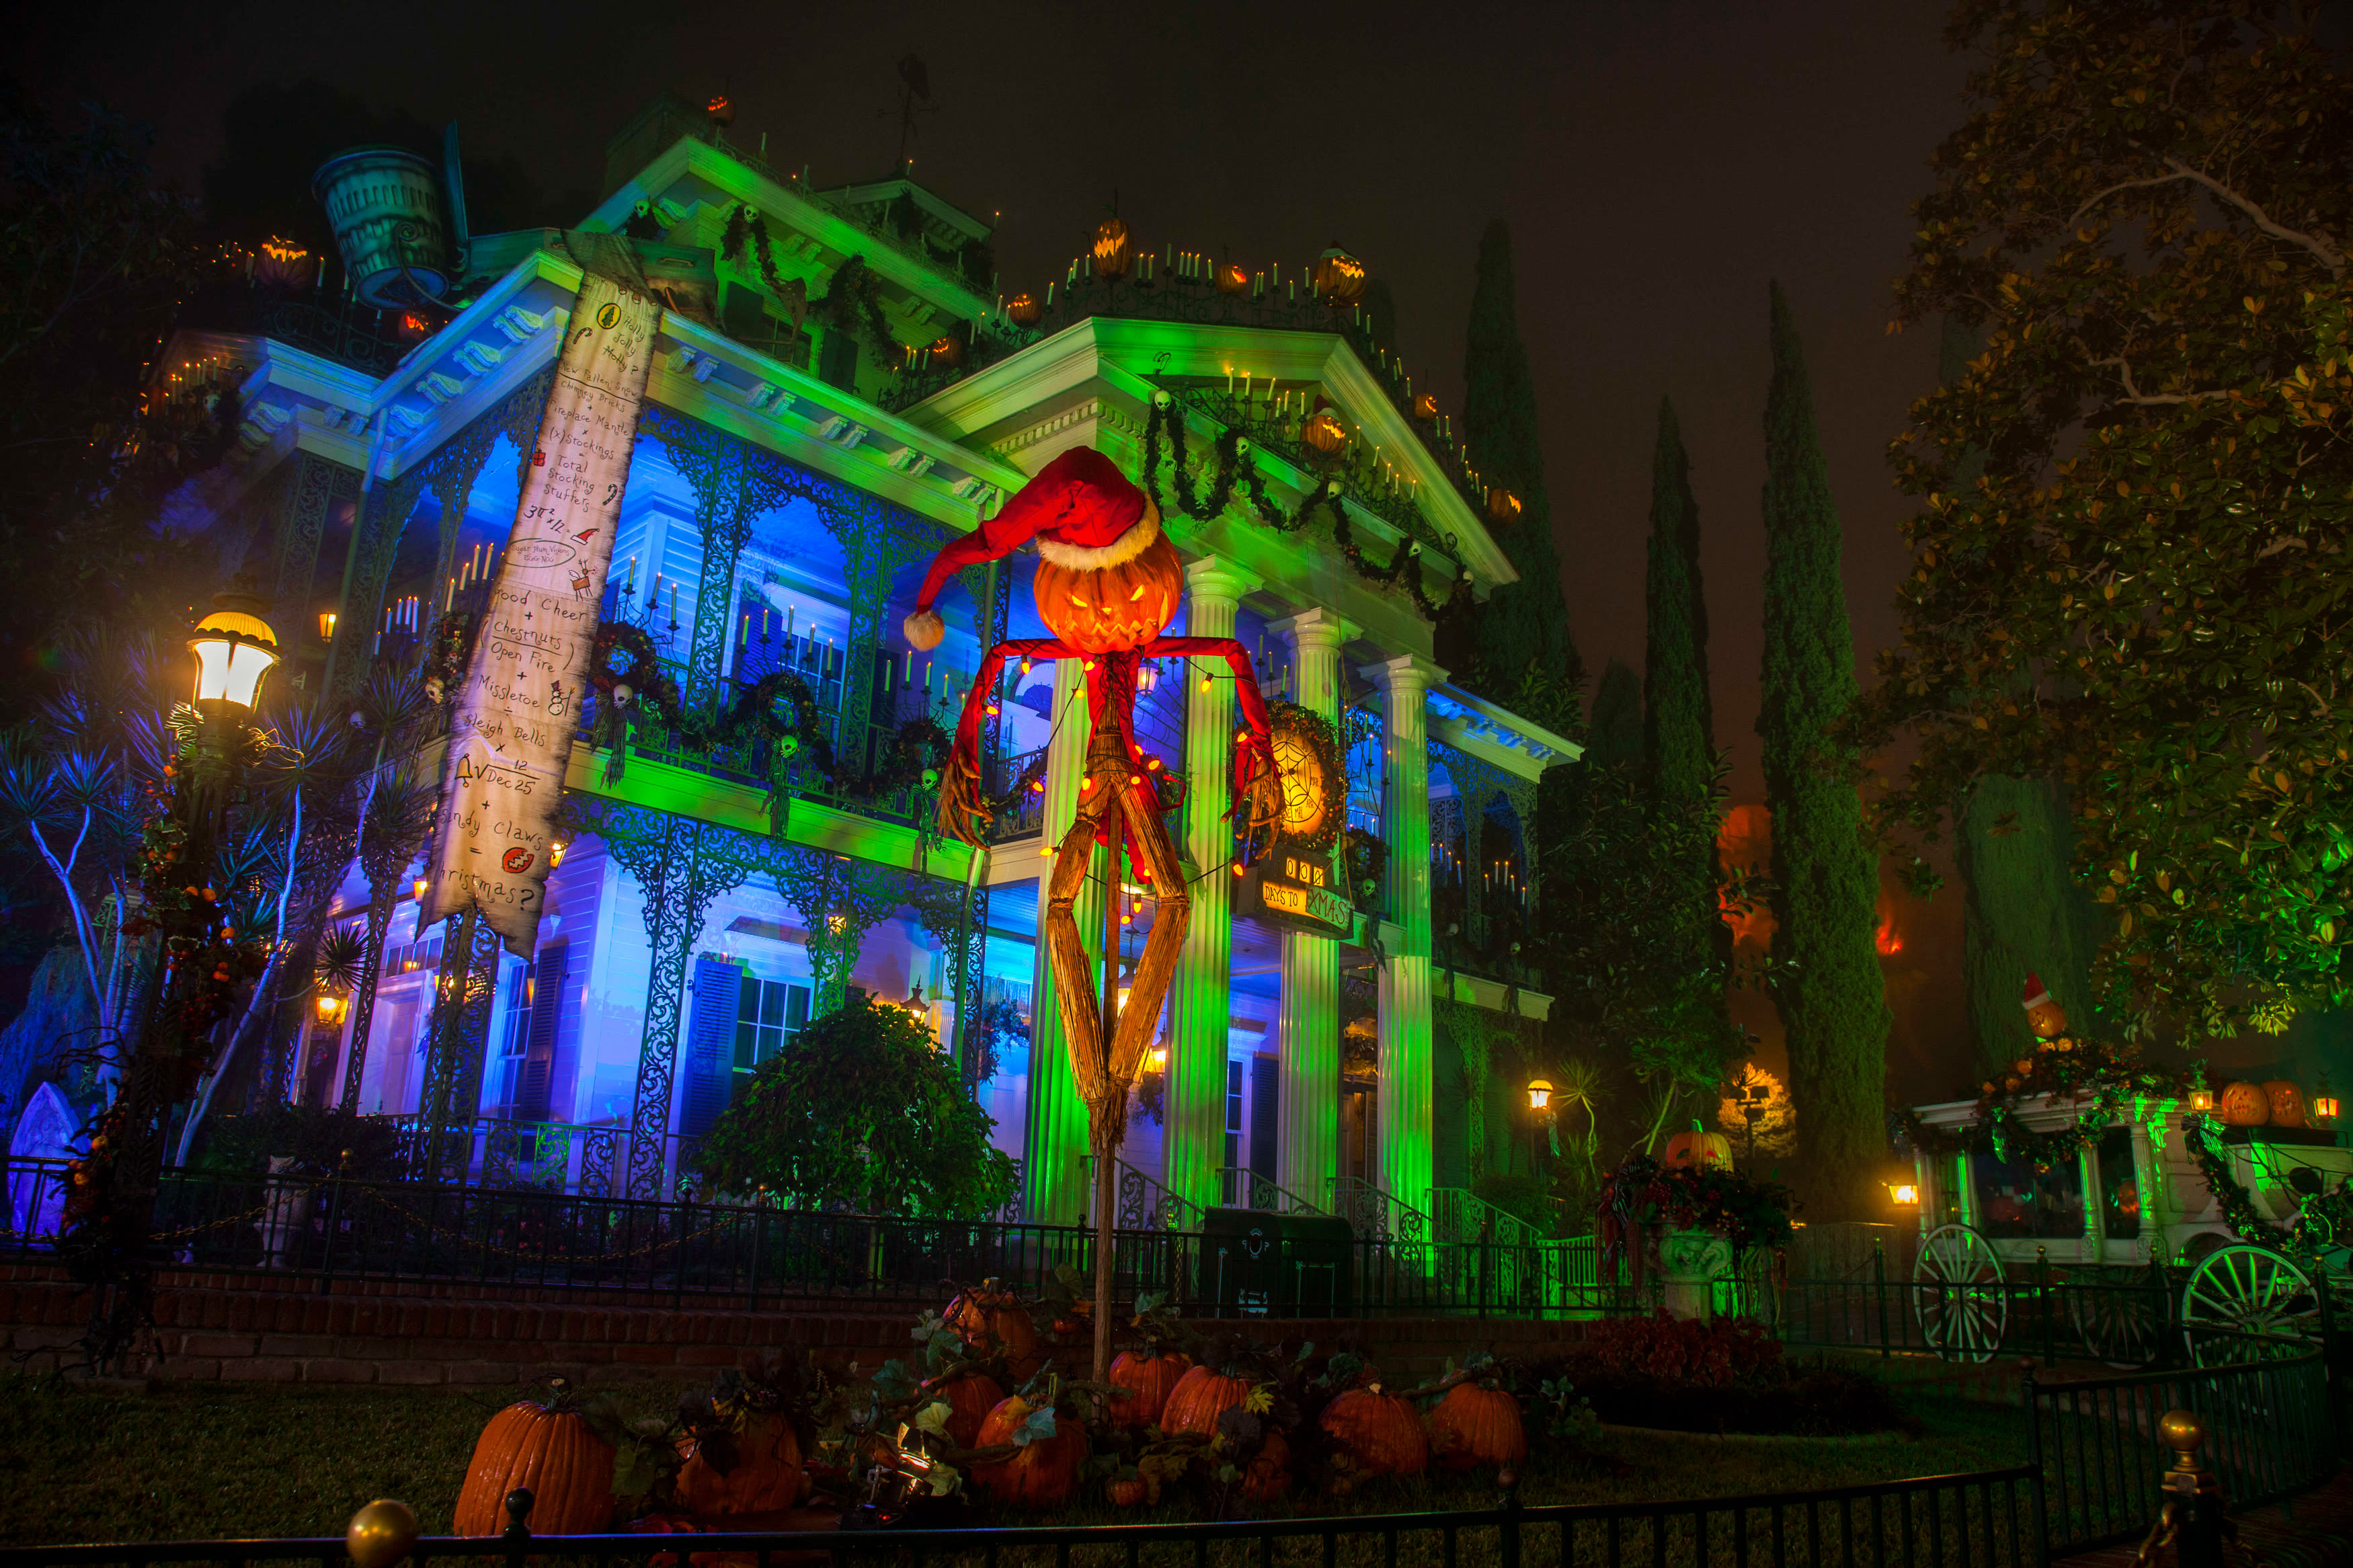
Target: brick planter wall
x: 253, y: 1327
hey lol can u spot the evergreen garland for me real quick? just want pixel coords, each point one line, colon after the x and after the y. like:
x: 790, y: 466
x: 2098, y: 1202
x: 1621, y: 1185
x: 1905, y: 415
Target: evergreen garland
x: 1367, y: 859
x: 1403, y: 570
x: 915, y: 757
x: 853, y: 299
x: 2109, y: 1082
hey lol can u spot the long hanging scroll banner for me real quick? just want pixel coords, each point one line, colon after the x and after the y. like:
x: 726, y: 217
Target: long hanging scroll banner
x: 511, y: 734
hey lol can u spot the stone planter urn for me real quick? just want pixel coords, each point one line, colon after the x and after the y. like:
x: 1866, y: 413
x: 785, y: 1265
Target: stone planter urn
x: 1692, y: 1263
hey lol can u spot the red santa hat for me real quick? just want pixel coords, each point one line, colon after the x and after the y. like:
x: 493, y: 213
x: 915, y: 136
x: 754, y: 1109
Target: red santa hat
x: 1081, y: 510
x: 2036, y: 996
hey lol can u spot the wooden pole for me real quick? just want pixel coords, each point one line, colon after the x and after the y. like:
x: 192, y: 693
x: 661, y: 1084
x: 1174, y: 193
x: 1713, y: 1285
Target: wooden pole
x: 1109, y: 1117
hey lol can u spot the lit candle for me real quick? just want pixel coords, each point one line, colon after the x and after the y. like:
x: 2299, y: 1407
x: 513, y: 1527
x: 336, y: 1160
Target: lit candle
x: 633, y: 574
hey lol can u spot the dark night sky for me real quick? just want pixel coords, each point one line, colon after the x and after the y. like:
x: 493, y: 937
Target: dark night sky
x: 1658, y: 163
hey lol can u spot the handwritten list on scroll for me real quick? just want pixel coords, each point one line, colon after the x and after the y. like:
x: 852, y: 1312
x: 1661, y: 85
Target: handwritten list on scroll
x: 511, y: 733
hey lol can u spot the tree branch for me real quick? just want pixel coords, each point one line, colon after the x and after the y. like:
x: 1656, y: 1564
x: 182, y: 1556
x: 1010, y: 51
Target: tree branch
x: 2319, y: 246
x: 2135, y: 396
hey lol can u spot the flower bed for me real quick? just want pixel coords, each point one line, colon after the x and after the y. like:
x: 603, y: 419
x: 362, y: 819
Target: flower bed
x: 1727, y: 1376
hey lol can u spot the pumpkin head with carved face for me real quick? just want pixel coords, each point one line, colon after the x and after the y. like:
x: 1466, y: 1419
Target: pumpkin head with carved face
x: 1107, y: 579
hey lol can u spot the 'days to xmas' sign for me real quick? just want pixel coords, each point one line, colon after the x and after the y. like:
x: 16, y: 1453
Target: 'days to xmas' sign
x: 511, y: 734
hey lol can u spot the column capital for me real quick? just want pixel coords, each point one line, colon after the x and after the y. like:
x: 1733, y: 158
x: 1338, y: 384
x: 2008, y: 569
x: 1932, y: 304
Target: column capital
x: 1409, y: 672
x: 1221, y: 577
x: 1315, y: 627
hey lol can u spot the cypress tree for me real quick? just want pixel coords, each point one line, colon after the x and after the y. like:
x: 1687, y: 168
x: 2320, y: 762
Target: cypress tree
x: 1613, y: 736
x: 1526, y: 619
x: 1678, y: 714
x: 1828, y: 989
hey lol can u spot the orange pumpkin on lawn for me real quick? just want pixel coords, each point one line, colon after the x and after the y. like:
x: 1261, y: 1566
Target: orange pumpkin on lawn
x: 550, y: 1449
x: 1379, y: 1431
x: 969, y: 1399
x: 1151, y: 1379
x: 1474, y: 1426
x: 1199, y: 1397
x: 765, y: 1474
x: 1268, y: 1476
x: 990, y: 1317
x: 1042, y: 1471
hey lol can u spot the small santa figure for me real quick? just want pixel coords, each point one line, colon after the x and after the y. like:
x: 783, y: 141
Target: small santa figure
x: 2043, y: 1013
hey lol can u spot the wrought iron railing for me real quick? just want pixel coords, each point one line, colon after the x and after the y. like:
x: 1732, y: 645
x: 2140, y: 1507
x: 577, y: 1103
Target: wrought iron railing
x: 1987, y: 1519
x: 2268, y: 1436
x: 1141, y: 1201
x: 341, y: 329
x: 1374, y: 1212
x: 1240, y: 1187
x: 337, y: 1229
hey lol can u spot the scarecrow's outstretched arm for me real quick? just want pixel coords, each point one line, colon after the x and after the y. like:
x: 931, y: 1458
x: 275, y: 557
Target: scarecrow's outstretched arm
x: 1258, y: 786
x: 964, y: 807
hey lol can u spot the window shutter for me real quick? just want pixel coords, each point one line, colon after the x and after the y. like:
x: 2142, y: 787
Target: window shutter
x: 1266, y: 1078
x: 709, y: 1044
x: 547, y: 974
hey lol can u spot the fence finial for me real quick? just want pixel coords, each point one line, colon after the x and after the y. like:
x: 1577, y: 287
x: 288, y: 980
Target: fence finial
x: 381, y: 1533
x: 2193, y: 1520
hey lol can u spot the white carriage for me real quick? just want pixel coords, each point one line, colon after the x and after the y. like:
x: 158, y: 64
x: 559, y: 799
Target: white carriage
x: 2123, y: 1243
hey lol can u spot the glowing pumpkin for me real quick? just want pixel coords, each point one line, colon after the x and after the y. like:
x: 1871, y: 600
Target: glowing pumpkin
x: 2244, y: 1104
x: 1096, y: 609
x: 1231, y: 278
x: 1024, y: 311
x: 1324, y: 432
x: 1698, y: 1149
x: 1502, y: 506
x: 1112, y: 255
x: 2287, y: 1104
x: 1339, y: 277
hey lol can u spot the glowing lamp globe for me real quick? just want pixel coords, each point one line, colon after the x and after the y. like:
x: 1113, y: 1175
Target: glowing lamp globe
x: 1539, y: 1093
x: 1904, y: 1193
x: 234, y: 648
x: 2201, y: 1099
x: 2324, y: 1108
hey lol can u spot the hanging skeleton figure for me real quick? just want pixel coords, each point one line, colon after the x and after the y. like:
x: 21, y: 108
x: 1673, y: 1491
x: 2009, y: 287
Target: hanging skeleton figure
x: 1108, y: 582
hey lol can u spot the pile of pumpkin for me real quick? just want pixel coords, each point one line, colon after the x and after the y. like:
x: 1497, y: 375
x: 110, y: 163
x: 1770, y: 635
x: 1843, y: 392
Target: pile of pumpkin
x: 981, y: 1413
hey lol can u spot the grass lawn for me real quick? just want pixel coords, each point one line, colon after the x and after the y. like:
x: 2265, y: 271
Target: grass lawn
x: 212, y: 1459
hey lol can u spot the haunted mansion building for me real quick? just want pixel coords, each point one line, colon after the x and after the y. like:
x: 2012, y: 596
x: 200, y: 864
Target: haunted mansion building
x: 838, y: 385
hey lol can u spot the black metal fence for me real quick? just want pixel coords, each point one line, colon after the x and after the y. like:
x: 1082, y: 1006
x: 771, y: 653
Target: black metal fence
x: 2269, y: 1435
x: 1986, y: 1519
x: 764, y: 1256
x: 2124, y: 1316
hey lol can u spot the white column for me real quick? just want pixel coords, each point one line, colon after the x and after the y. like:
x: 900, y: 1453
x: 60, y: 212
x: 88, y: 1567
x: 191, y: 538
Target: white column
x: 1406, y: 1159
x: 1307, y: 1158
x: 1200, y: 1000
x: 1054, y: 1143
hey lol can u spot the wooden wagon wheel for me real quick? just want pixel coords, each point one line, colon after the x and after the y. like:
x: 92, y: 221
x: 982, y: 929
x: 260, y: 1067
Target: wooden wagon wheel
x: 2242, y: 1290
x: 2116, y: 1313
x: 1958, y: 1294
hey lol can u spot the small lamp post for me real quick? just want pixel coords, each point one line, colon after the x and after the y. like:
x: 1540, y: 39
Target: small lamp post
x: 1540, y: 1108
x: 234, y: 647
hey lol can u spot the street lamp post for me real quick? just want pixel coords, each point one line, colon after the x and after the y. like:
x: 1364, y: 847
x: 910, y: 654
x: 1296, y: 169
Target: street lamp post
x: 1540, y: 1093
x: 234, y: 650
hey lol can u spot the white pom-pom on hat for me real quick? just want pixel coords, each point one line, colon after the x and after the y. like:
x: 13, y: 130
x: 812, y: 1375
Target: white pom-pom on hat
x: 925, y: 629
